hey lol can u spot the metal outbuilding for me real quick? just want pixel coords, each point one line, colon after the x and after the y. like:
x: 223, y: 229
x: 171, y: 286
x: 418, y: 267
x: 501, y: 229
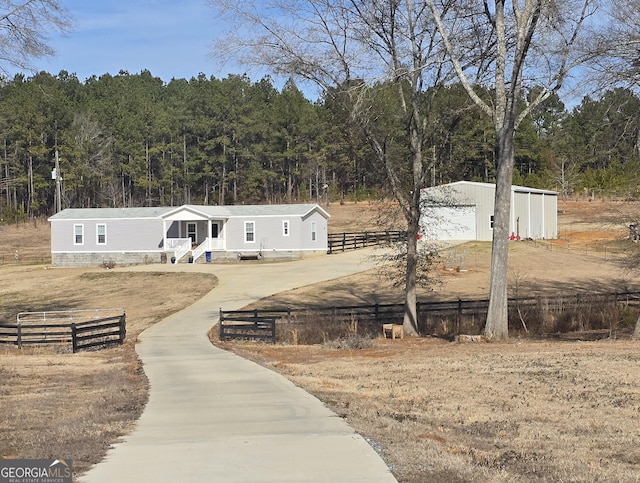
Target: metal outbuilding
x: 464, y: 211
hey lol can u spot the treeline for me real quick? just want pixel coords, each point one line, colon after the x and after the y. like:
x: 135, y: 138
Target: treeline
x: 135, y: 140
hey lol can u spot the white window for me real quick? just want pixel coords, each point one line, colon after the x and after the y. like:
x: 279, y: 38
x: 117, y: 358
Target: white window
x: 285, y: 228
x: 78, y: 234
x: 101, y: 231
x: 314, y: 230
x: 249, y: 231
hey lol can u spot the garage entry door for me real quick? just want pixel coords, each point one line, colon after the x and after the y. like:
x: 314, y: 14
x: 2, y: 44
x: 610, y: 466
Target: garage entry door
x: 450, y: 223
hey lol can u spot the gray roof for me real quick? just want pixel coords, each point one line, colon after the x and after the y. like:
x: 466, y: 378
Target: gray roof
x: 110, y: 213
x: 231, y: 211
x: 514, y: 188
x: 226, y: 211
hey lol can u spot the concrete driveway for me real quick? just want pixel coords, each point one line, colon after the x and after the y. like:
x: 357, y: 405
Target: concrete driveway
x: 215, y: 417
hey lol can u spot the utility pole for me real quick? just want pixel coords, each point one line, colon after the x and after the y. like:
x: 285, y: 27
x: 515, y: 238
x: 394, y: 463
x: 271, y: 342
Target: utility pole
x: 57, y: 178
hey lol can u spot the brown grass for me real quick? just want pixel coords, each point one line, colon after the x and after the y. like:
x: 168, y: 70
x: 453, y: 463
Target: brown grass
x: 436, y: 411
x: 54, y: 404
x: 527, y: 410
x: 520, y: 411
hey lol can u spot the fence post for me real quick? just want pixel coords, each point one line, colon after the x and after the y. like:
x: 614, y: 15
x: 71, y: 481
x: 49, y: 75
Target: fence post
x: 255, y: 313
x: 344, y: 240
x: 273, y: 331
x: 74, y: 341
x: 221, y: 324
x: 376, y: 311
x: 123, y: 328
x: 19, y: 340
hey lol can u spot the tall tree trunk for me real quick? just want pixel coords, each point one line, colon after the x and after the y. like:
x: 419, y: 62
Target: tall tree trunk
x: 223, y: 184
x: 410, y: 321
x: 497, y: 325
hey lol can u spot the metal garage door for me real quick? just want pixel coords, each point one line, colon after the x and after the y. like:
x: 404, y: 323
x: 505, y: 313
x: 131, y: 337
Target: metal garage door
x: 450, y: 223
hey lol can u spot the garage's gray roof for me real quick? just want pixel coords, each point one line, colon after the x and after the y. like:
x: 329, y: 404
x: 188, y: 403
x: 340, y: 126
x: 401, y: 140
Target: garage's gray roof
x: 227, y: 211
x: 516, y: 188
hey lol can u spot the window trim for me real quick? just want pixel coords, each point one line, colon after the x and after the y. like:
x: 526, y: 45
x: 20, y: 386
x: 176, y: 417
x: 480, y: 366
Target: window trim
x: 247, y: 232
x: 75, y: 234
x: 98, y: 242
x: 286, y: 228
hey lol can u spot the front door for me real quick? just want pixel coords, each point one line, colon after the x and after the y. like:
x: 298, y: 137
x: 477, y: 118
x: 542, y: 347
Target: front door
x: 191, y: 232
x: 216, y: 243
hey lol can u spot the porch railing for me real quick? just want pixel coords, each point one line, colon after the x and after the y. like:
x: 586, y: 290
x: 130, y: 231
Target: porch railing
x: 209, y: 244
x: 200, y: 249
x: 179, y: 246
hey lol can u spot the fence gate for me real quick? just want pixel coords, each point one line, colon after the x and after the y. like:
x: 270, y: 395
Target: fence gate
x: 82, y: 328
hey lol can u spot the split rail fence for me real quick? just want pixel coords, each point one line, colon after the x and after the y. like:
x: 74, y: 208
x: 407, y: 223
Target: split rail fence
x: 354, y: 240
x: 456, y: 315
x: 83, y: 329
x: 239, y: 326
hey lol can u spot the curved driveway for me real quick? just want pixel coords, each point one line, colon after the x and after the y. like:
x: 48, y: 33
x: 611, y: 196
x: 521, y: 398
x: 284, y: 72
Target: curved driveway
x: 215, y: 417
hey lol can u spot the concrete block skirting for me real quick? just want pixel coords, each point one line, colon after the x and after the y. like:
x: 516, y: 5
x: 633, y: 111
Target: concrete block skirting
x: 99, y: 259
x: 140, y: 258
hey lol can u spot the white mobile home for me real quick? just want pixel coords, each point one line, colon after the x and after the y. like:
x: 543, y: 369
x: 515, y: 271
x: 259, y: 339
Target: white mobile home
x: 464, y: 211
x: 93, y: 236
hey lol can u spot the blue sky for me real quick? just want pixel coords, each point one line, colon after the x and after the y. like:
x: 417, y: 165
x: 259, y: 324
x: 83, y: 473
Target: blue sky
x: 170, y: 38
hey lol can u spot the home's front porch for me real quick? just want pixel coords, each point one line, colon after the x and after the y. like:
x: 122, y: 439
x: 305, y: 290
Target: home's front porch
x: 195, y: 236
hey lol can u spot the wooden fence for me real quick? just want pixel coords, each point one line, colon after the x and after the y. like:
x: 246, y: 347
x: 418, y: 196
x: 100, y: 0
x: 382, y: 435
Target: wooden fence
x: 243, y: 327
x: 83, y: 329
x: 455, y: 312
x: 351, y: 241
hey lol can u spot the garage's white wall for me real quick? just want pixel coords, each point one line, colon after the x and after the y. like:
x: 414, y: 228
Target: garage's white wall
x: 449, y: 223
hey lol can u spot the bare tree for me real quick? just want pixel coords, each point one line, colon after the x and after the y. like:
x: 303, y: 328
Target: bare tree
x: 25, y: 27
x: 361, y: 53
x: 519, y: 44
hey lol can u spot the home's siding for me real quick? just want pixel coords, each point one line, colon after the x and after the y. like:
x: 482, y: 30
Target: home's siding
x: 173, y: 229
x: 129, y: 235
x: 269, y: 237
x: 320, y: 243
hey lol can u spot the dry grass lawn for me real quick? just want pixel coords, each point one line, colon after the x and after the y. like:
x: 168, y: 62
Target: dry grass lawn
x: 475, y: 412
x: 54, y: 404
x: 526, y: 410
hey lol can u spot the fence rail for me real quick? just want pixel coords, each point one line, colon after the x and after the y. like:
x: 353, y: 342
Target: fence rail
x: 82, y: 328
x: 239, y: 327
x: 352, y: 241
x: 377, y: 314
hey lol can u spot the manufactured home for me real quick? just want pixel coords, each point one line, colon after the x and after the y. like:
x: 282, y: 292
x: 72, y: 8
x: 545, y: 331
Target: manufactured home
x: 464, y: 211
x: 95, y: 236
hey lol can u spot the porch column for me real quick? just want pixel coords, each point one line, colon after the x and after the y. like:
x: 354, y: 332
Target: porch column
x: 164, y: 235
